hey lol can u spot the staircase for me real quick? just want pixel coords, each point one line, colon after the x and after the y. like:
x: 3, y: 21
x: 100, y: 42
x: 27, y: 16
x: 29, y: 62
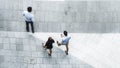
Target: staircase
x: 23, y: 50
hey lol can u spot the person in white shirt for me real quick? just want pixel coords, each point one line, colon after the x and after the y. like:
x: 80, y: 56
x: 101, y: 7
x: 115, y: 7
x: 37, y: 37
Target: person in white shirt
x: 29, y: 19
x: 65, y: 41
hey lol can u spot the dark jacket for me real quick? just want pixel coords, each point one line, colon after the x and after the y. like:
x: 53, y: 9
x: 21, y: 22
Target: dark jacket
x: 49, y: 44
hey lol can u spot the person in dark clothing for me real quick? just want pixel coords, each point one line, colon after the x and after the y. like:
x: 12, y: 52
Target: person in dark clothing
x: 49, y: 45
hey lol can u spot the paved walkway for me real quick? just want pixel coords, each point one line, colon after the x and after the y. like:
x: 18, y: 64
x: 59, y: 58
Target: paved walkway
x: 22, y: 50
x: 101, y: 50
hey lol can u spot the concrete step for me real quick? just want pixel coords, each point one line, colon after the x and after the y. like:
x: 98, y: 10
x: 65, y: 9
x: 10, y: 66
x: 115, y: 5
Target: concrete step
x: 101, y: 50
x: 24, y: 50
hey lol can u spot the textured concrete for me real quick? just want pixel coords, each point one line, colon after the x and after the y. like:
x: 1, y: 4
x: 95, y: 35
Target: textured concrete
x: 55, y: 16
x: 23, y: 50
x: 99, y: 50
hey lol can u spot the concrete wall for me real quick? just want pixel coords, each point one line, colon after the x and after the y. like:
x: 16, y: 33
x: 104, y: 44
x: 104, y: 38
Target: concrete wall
x: 56, y: 16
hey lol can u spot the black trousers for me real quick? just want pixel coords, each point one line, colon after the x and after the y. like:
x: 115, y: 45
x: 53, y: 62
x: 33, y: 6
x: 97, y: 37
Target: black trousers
x: 27, y: 26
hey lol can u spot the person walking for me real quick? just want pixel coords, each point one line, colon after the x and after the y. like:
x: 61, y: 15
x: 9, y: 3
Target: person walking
x: 65, y: 41
x: 49, y: 45
x: 29, y: 19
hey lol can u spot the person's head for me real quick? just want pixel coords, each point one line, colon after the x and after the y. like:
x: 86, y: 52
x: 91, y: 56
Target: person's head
x: 49, y: 38
x: 65, y: 33
x: 29, y: 9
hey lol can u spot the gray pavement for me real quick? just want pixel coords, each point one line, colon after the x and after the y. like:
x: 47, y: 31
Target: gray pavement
x: 22, y: 50
x: 83, y: 16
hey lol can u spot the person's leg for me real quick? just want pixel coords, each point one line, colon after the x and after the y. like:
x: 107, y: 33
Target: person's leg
x: 50, y: 52
x: 32, y: 27
x: 67, y: 49
x: 27, y: 26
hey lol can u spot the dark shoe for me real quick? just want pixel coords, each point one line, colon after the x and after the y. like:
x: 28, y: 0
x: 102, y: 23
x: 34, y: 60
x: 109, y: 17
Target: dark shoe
x: 49, y: 54
x: 66, y: 52
x: 33, y: 32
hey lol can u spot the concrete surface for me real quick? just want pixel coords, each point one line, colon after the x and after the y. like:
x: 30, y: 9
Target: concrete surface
x: 23, y: 50
x: 101, y: 50
x: 94, y: 16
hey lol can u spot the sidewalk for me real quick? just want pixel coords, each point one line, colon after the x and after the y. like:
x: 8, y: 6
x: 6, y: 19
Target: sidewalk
x: 22, y: 50
x: 101, y: 50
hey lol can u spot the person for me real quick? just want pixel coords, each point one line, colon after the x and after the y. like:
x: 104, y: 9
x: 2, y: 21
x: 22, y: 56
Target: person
x: 49, y: 45
x: 29, y: 19
x: 65, y: 41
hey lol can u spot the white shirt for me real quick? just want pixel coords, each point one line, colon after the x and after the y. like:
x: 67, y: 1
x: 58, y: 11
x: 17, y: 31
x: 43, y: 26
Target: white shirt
x: 28, y: 16
x: 65, y: 39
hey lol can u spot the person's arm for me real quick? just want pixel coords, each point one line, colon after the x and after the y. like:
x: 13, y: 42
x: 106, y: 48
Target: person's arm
x: 62, y: 35
x: 46, y: 44
x: 53, y: 41
x: 23, y: 13
x: 33, y: 20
